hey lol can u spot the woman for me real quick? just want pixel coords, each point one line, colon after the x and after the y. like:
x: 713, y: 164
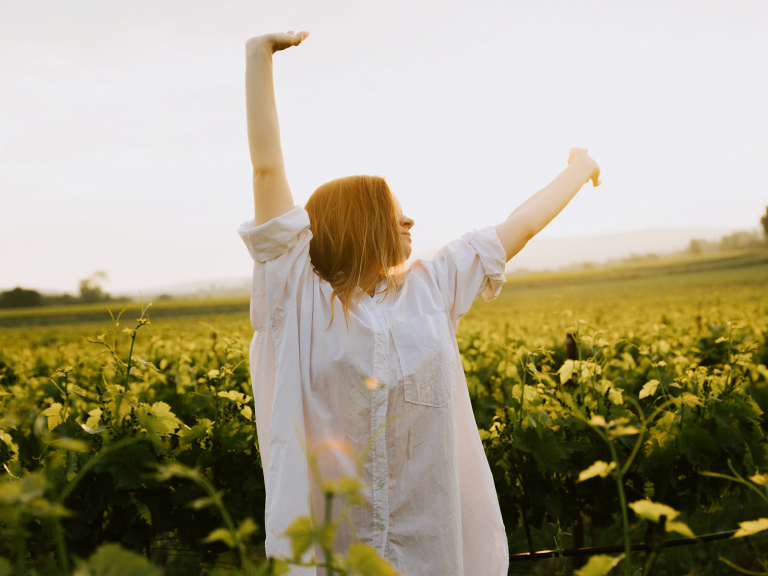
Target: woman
x: 347, y: 351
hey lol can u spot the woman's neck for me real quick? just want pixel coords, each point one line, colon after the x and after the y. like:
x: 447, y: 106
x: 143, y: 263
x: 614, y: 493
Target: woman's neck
x: 370, y: 279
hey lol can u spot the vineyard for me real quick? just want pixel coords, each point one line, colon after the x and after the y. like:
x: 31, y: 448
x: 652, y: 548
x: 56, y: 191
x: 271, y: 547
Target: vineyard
x: 616, y: 408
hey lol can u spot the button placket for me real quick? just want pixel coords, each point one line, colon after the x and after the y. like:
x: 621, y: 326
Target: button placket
x: 379, y: 448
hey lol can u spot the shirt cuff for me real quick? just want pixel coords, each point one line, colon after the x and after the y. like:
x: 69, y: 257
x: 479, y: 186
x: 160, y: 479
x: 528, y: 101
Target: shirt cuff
x: 275, y: 237
x: 493, y: 258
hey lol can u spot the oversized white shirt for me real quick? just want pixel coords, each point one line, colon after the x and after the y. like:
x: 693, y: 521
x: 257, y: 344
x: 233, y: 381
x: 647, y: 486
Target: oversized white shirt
x: 392, y: 380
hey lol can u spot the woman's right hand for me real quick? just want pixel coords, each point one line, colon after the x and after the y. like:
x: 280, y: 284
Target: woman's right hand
x: 276, y: 41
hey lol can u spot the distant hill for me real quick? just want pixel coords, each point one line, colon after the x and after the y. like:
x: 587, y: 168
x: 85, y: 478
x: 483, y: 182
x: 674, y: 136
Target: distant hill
x: 541, y: 253
x: 544, y: 253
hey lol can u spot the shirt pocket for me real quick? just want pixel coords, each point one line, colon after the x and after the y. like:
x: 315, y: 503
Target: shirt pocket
x: 424, y: 346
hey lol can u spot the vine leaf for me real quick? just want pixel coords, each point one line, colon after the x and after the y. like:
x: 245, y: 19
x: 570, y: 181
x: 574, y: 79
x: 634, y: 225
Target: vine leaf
x: 599, y: 565
x: 652, y: 511
x: 566, y: 371
x: 109, y: 557
x: 363, y: 561
x: 302, y: 534
x: 599, y: 468
x: 760, y: 479
x: 751, y: 527
x: 649, y: 388
x: 54, y: 415
x: 680, y: 528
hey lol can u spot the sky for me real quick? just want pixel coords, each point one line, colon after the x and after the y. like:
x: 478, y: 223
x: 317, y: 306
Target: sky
x: 123, y: 141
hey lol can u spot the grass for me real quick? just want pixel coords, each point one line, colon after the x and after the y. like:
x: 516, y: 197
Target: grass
x: 80, y: 313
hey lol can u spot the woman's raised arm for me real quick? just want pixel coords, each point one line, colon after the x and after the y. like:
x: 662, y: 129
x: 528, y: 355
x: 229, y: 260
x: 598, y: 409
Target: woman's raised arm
x: 534, y: 214
x: 271, y: 193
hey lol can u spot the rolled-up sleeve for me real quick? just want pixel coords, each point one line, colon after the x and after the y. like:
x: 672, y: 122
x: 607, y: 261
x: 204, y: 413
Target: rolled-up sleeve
x: 280, y: 252
x: 274, y: 238
x: 466, y: 268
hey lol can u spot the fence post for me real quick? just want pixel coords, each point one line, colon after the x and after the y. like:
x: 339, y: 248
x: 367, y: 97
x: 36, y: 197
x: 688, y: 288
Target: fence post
x: 572, y: 353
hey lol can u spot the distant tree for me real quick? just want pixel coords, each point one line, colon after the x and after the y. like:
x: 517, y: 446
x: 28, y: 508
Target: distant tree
x: 695, y: 247
x: 90, y: 288
x: 59, y: 299
x: 20, y: 297
x: 739, y: 240
x: 764, y: 222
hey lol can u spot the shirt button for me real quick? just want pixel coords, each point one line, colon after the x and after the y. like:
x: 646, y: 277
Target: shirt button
x: 382, y: 337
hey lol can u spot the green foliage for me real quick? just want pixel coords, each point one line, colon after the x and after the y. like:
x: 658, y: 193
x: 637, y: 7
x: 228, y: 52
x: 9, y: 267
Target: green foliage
x: 764, y: 222
x: 113, y: 560
x: 145, y: 437
x: 20, y: 297
x: 599, y: 565
x: 107, y: 451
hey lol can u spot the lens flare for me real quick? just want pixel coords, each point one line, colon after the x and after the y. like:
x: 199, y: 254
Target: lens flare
x: 372, y: 383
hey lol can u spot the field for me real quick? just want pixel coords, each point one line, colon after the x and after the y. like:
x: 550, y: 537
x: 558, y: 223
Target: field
x: 664, y: 383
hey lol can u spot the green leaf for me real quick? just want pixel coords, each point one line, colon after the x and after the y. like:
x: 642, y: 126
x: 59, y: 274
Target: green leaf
x: 599, y: 468
x: 77, y: 390
x: 664, y: 431
x: 166, y: 419
x: 691, y: 399
x: 71, y: 445
x: 5, y: 568
x: 246, y: 528
x: 680, y: 528
x: 223, y: 535
x: 599, y: 565
x: 92, y: 430
x: 30, y: 487
x: 144, y: 512
x: 649, y: 388
x: 54, y: 415
x: 94, y: 418
x: 760, y: 479
x: 189, y: 435
x: 13, y: 448
x: 653, y: 511
x: 199, y: 503
x: 344, y: 486
x: 273, y: 567
x: 751, y: 527
x: 362, y: 560
x: 566, y: 371
x: 157, y: 420
x: 625, y: 431
x: 235, y: 396
x: 597, y: 420
x: 113, y: 560
x: 301, y: 534
x: 615, y: 394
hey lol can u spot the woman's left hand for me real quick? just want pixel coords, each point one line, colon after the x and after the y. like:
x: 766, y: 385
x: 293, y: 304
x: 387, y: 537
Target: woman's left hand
x: 582, y: 155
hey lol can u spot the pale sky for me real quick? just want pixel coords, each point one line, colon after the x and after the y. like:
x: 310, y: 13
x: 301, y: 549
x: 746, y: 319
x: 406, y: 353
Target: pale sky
x: 123, y: 139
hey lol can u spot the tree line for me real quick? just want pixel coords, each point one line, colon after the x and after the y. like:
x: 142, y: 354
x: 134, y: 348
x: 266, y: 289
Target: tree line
x: 89, y: 291
x: 735, y: 241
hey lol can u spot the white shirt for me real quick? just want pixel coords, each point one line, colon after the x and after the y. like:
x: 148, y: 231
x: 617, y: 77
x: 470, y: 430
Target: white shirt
x: 432, y: 506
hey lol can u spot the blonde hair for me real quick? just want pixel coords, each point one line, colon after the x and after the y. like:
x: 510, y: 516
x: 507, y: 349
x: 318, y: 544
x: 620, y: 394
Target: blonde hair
x: 354, y: 223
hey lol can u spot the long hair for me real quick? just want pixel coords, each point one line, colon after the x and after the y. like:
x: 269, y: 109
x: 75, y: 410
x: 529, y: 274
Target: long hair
x: 354, y: 223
